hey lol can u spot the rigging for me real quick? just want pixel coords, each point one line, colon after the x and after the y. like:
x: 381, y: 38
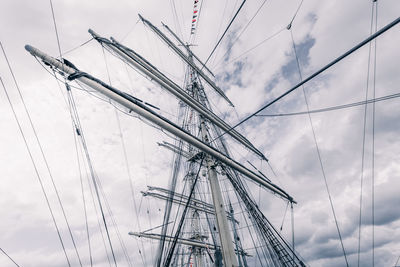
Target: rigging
x: 8, y: 256
x: 37, y: 174
x: 227, y: 28
x: 240, y: 34
x: 332, y: 108
x: 338, y: 59
x: 374, y: 7
x: 42, y: 153
x: 96, y: 185
x: 317, y: 150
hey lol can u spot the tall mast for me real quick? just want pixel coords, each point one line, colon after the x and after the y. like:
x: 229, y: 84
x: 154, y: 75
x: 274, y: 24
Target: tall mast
x: 228, y: 253
x: 138, y: 62
x: 185, y: 58
x: 216, y: 157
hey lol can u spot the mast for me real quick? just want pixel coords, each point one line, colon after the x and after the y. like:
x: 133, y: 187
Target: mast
x: 198, y: 146
x: 186, y: 58
x: 228, y: 252
x: 136, y: 61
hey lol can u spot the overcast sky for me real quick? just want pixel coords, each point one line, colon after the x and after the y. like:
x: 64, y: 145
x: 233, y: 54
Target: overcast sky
x: 322, y: 31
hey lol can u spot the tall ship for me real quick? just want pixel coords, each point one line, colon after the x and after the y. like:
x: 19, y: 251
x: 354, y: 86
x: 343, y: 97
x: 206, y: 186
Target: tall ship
x: 201, y: 193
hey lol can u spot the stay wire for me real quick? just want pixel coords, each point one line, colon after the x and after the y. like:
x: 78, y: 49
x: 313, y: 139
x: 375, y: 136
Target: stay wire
x: 295, y: 14
x: 250, y: 49
x: 76, y: 47
x: 398, y: 259
x: 90, y: 165
x: 373, y: 141
x: 134, y: 26
x: 220, y: 39
x: 143, y: 258
x: 41, y: 150
x: 55, y: 27
x: 263, y: 41
x: 240, y: 34
x: 363, y: 139
x: 172, y: 248
x: 8, y: 256
x: 293, y: 243
x: 284, y: 216
x: 37, y: 172
x: 126, y: 163
x: 78, y: 131
x: 338, y: 59
x: 333, y: 108
x: 176, y: 17
x: 220, y: 26
x: 60, y: 53
x: 83, y: 196
x: 79, y: 169
x: 222, y: 20
x: 94, y: 206
x: 318, y: 150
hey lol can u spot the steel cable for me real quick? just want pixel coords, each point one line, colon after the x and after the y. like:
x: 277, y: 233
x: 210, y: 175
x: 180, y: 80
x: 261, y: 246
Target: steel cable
x: 315, y: 74
x: 8, y: 256
x: 363, y: 140
x: 318, y: 150
x: 220, y: 39
x: 333, y: 108
x: 37, y: 173
x: 41, y: 151
x: 373, y: 142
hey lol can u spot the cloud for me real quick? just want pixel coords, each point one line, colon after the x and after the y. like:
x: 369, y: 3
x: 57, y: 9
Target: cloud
x: 321, y: 31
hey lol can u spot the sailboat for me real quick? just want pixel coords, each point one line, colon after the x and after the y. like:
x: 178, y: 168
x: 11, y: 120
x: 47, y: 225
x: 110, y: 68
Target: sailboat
x: 208, y: 215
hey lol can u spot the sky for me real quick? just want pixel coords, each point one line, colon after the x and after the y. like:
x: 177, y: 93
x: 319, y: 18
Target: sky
x: 251, y: 74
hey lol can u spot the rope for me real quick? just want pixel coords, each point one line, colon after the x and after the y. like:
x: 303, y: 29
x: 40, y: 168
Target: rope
x: 240, y: 34
x: 227, y: 28
x: 126, y: 164
x: 16, y: 264
x: 363, y: 141
x: 129, y: 32
x: 83, y: 195
x: 36, y: 171
x: 79, y: 169
x: 143, y: 257
x: 260, y: 43
x: 318, y: 151
x: 76, y: 47
x: 292, y: 217
x: 338, y: 59
x: 295, y: 14
x: 373, y: 143
x: 220, y: 25
x: 172, y: 248
x: 55, y: 27
x: 77, y: 124
x: 222, y: 19
x: 59, y: 50
x: 176, y: 18
x: 284, y: 216
x: 251, y: 49
x: 350, y: 105
x: 395, y: 265
x: 95, y: 209
x: 41, y: 150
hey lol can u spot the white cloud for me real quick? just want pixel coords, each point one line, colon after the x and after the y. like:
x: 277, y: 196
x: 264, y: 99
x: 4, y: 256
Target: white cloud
x: 335, y: 26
